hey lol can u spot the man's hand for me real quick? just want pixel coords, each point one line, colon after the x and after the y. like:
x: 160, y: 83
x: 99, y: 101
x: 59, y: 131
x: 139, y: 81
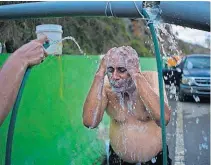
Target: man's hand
x: 103, y: 66
x: 13, y: 70
x: 31, y: 53
x: 132, y: 63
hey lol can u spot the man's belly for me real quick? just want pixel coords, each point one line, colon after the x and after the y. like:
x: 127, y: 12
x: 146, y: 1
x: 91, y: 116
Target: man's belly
x: 135, y: 141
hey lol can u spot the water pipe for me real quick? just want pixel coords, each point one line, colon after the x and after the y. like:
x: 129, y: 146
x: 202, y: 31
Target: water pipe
x: 185, y: 13
x: 74, y: 8
x: 193, y: 14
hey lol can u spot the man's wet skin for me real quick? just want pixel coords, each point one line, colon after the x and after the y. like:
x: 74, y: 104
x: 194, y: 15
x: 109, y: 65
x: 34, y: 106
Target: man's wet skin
x: 135, y: 135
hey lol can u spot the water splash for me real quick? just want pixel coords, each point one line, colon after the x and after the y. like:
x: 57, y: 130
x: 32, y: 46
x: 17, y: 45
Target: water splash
x: 57, y: 42
x: 166, y: 37
x: 121, y: 100
x: 73, y: 39
x: 189, y: 65
x: 178, y: 69
x: 197, y: 120
x: 107, y: 142
x: 203, y: 146
x: 196, y: 98
x: 205, y: 138
x: 191, y: 89
x: 153, y: 10
x: 165, y: 77
x: 153, y: 160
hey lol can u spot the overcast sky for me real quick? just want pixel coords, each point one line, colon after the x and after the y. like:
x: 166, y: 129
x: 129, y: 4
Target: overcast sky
x: 191, y: 35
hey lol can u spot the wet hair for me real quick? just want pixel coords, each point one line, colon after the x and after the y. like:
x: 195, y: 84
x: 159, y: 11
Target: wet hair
x: 122, y: 51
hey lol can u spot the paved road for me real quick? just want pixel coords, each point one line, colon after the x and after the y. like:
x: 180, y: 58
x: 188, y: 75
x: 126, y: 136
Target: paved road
x: 188, y: 133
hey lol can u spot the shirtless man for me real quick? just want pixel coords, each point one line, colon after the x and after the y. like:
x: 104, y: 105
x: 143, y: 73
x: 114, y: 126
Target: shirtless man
x: 131, y: 99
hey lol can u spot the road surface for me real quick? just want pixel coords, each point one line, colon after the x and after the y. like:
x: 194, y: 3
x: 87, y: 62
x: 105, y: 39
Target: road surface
x: 188, y: 133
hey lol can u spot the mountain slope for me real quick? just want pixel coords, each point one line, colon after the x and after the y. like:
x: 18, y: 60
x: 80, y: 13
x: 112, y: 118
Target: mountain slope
x: 96, y: 35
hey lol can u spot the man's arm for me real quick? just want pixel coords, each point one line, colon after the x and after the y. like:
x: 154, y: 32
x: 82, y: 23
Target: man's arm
x: 152, y: 79
x: 13, y: 70
x: 96, y: 102
x: 10, y: 79
x: 148, y: 93
x: 147, y: 86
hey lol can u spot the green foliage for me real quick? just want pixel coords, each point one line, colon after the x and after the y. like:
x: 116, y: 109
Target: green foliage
x: 95, y: 35
x: 192, y: 49
x: 138, y: 45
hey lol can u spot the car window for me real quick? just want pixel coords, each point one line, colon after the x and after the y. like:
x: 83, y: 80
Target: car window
x: 197, y: 63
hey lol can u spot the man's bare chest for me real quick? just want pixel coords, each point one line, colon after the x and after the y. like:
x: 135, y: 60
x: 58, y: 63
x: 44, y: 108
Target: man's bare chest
x: 122, y: 108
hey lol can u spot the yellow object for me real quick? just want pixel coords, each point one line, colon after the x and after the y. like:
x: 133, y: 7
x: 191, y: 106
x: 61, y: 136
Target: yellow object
x: 173, y: 61
x: 61, y: 78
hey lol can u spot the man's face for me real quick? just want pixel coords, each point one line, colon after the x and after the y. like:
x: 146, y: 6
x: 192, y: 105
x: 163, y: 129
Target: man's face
x: 117, y: 73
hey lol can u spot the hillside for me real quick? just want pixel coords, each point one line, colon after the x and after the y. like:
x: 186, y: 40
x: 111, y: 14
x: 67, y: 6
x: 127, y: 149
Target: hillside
x: 96, y: 35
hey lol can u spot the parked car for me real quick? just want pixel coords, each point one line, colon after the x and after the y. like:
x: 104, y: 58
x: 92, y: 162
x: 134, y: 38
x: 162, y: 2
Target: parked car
x: 191, y: 76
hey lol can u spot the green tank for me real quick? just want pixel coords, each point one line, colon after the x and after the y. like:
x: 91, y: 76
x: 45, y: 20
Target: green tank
x: 49, y: 129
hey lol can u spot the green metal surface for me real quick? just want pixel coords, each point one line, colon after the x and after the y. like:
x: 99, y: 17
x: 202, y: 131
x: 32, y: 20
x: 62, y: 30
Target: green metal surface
x: 49, y: 128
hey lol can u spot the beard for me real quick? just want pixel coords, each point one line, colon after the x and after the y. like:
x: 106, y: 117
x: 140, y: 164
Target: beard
x: 123, y: 85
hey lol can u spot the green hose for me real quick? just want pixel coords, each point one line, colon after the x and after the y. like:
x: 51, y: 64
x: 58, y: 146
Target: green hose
x: 11, y: 129
x: 160, y: 78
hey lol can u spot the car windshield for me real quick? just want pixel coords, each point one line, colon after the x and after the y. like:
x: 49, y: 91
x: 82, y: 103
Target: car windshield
x: 197, y: 63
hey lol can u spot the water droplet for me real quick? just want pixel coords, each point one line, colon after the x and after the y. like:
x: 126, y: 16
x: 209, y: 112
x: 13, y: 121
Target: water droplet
x: 172, y: 89
x: 204, y: 146
x: 200, y: 147
x: 178, y: 69
x: 197, y: 120
x: 205, y: 138
x: 189, y: 65
x: 191, y: 89
x: 196, y: 98
x: 153, y: 160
